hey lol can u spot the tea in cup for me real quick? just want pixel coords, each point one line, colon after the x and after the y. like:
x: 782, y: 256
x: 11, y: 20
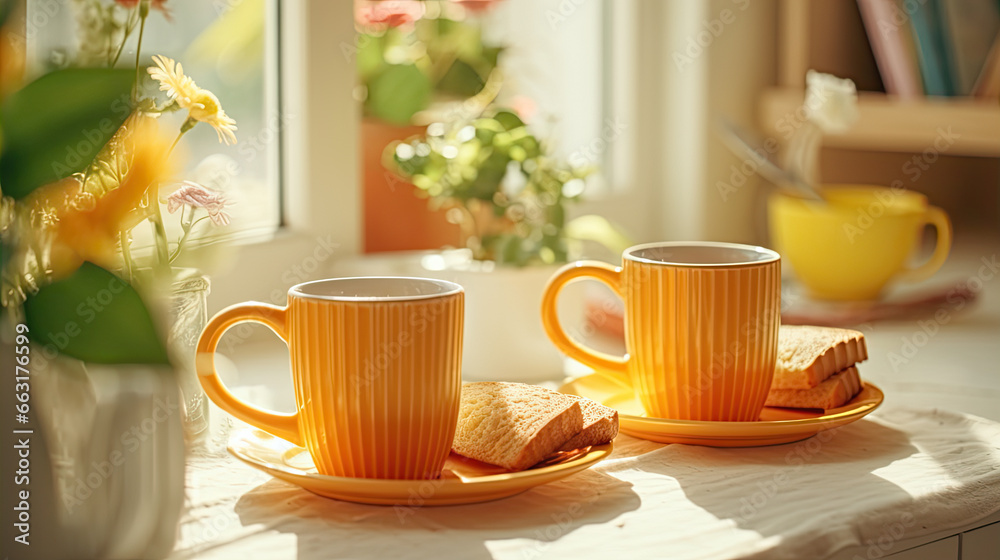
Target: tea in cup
x: 851, y: 245
x: 701, y: 326
x: 376, y: 365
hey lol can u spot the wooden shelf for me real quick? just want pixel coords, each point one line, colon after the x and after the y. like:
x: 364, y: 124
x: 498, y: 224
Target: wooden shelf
x: 890, y: 125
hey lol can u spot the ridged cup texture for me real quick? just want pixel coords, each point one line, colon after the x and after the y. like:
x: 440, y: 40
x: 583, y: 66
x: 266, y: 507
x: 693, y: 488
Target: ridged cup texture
x: 702, y: 340
x: 377, y: 383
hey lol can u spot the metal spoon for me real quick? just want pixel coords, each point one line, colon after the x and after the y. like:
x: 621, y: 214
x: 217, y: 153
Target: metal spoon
x: 740, y: 143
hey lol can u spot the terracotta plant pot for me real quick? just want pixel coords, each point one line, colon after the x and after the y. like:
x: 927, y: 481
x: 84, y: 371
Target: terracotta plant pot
x: 396, y: 219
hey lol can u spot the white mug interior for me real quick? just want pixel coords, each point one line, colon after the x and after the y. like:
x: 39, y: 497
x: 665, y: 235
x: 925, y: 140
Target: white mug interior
x: 375, y: 288
x: 700, y: 254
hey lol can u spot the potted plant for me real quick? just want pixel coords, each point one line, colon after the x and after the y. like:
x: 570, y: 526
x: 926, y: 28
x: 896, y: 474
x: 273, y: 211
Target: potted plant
x: 100, y: 328
x: 498, y: 182
x: 414, y: 58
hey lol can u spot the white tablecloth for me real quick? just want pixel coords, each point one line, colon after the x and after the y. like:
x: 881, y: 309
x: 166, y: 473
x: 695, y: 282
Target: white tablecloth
x: 898, y: 474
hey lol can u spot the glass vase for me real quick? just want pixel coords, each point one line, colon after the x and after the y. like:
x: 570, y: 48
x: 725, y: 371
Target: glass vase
x: 189, y: 314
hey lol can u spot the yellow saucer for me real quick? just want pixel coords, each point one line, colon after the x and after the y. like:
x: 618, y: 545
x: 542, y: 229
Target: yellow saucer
x: 776, y: 425
x: 463, y: 481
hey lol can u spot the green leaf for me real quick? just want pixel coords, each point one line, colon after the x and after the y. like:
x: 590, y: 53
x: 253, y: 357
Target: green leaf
x: 491, y: 54
x: 55, y: 125
x: 508, y: 119
x: 370, y: 55
x: 398, y: 92
x: 462, y: 80
x: 557, y: 215
x: 487, y: 181
x: 96, y: 317
x: 6, y: 8
x: 507, y: 249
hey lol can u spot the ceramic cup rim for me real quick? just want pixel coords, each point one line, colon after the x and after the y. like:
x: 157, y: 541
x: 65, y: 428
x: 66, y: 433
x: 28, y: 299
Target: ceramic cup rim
x: 310, y: 290
x: 919, y: 201
x: 768, y: 255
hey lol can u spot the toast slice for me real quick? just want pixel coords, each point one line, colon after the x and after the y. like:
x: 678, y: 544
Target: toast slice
x: 514, y: 425
x: 600, y: 425
x: 808, y: 355
x: 836, y: 391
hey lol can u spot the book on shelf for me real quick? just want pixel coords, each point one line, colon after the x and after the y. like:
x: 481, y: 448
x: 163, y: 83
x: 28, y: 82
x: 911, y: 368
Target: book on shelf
x: 932, y: 48
x: 971, y: 28
x: 892, y: 44
x: 988, y: 83
x: 935, y: 47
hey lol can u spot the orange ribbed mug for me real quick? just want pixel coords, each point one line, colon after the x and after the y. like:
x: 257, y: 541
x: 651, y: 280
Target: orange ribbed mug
x: 377, y: 369
x: 701, y: 327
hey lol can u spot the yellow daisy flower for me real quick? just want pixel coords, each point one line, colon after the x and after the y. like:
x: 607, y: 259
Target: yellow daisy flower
x: 202, y: 105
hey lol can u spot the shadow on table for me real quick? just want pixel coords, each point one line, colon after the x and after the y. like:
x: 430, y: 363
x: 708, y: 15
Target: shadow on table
x: 327, y: 528
x: 967, y: 450
x: 772, y: 489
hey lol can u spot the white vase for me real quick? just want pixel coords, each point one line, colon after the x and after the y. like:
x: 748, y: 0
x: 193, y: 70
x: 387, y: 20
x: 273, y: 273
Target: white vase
x: 504, y: 338
x: 107, y: 451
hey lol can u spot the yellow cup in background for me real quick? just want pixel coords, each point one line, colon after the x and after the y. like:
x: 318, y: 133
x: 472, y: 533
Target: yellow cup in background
x: 377, y: 369
x: 701, y: 327
x: 858, y: 241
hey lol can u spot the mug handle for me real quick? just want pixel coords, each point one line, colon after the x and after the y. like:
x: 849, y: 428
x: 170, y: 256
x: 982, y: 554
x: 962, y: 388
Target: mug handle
x: 604, y: 364
x: 937, y: 218
x: 285, y: 426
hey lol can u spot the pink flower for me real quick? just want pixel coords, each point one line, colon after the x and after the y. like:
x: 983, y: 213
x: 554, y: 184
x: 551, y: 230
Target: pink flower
x: 476, y: 6
x: 391, y: 13
x: 160, y: 5
x: 197, y: 196
x: 524, y: 106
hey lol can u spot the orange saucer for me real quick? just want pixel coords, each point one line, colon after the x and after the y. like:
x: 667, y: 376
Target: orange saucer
x: 776, y: 425
x: 463, y: 481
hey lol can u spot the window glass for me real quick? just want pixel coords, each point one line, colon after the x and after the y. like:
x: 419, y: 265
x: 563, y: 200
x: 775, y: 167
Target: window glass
x: 229, y: 48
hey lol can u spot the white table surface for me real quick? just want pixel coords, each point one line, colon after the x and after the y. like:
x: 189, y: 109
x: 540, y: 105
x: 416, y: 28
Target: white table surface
x: 236, y: 511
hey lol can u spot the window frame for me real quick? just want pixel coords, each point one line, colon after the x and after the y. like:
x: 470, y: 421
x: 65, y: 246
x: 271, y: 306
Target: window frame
x: 662, y: 168
x: 319, y: 168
